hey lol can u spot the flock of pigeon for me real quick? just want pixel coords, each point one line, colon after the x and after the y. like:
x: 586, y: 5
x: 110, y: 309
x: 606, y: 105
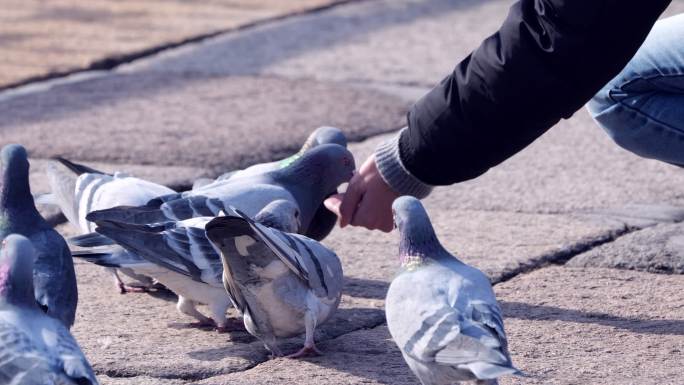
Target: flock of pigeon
x: 250, y: 239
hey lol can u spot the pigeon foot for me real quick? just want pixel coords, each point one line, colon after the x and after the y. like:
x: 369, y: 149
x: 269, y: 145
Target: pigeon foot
x: 306, y: 351
x: 232, y: 325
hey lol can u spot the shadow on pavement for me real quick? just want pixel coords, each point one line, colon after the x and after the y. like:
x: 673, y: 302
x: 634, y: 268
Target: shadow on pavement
x: 519, y: 310
x: 365, y: 288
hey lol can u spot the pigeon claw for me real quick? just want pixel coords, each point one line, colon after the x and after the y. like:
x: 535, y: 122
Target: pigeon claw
x: 306, y: 351
x: 231, y: 325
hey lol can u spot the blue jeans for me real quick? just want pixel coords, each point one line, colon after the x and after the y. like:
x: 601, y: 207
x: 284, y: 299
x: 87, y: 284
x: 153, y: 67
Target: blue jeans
x: 642, y: 109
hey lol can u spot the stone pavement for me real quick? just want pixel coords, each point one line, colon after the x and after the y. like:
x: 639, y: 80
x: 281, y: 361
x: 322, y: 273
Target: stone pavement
x: 575, y: 232
x: 40, y: 38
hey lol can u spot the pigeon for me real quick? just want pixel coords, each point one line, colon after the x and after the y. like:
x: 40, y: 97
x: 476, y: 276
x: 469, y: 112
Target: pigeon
x: 282, y: 283
x: 179, y: 255
x: 78, y: 190
x: 454, y: 330
x: 323, y: 220
x: 322, y: 135
x: 36, y: 349
x: 306, y: 182
x: 54, y: 279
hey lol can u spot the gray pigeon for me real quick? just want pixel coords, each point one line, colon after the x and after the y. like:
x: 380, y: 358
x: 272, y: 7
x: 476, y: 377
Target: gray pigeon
x: 442, y: 313
x: 78, y: 190
x: 322, y: 135
x: 54, y: 279
x: 283, y: 284
x: 306, y: 182
x: 36, y: 349
x: 323, y: 220
x: 179, y: 255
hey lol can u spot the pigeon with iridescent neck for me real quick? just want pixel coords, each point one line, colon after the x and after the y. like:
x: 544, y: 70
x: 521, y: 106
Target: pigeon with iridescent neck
x: 35, y: 349
x: 306, y: 182
x: 322, y: 135
x: 54, y: 279
x: 78, y: 190
x: 454, y: 330
x: 324, y: 220
x: 283, y: 284
x: 179, y: 256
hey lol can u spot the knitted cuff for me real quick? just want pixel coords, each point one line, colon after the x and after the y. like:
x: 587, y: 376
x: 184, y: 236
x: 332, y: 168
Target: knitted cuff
x: 392, y: 170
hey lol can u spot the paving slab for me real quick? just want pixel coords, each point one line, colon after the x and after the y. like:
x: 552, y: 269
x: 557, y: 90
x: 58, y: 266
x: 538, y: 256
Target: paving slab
x: 38, y: 38
x: 143, y: 335
x: 389, y: 41
x: 140, y: 335
x: 499, y: 243
x: 658, y: 249
x: 594, y: 326
x: 565, y: 326
x: 362, y: 357
x: 139, y: 380
x: 386, y: 42
x: 573, y: 168
x: 217, y: 123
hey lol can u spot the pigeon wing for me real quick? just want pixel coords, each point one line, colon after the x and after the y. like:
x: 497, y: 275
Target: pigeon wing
x: 480, y: 345
x: 184, y: 250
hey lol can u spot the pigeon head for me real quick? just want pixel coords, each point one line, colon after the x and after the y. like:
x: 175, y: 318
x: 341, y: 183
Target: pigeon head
x: 280, y: 214
x: 325, y: 135
x: 315, y: 175
x: 14, y: 186
x: 16, y: 270
x: 417, y: 237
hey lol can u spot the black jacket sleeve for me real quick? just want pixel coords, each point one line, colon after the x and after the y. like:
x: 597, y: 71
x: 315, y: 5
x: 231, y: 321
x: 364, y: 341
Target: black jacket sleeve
x: 547, y: 60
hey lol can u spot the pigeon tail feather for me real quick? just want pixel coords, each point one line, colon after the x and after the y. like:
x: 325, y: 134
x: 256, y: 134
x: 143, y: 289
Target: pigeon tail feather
x: 128, y: 214
x: 76, y: 168
x: 90, y: 240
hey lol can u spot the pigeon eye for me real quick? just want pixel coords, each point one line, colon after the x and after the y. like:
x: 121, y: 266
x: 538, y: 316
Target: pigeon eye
x: 296, y: 214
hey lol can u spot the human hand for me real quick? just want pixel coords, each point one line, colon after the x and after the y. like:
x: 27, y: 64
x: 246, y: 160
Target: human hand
x: 367, y: 201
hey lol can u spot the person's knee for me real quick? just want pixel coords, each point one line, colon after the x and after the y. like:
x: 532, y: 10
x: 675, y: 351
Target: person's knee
x: 601, y: 102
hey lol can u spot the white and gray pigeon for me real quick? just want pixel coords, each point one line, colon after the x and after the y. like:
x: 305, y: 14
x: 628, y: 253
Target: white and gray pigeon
x: 78, y: 190
x: 306, y: 182
x: 179, y: 255
x: 54, y: 279
x: 36, y: 349
x: 282, y: 283
x: 323, y: 220
x: 442, y: 313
